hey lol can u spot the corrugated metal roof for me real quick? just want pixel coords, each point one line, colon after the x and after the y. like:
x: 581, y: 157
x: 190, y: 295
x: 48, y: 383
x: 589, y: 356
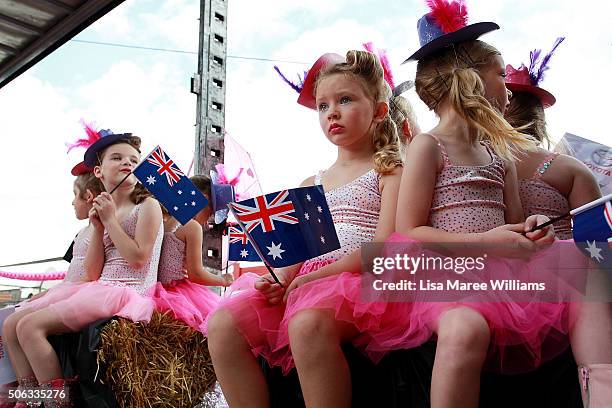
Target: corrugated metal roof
x: 32, y: 29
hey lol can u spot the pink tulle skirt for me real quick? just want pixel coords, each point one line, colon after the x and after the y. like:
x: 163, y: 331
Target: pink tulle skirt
x: 186, y: 301
x: 85, y: 303
x: 525, y: 330
x: 53, y: 295
x: 265, y: 326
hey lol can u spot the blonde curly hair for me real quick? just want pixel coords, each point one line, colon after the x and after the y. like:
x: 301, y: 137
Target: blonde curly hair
x: 367, y: 68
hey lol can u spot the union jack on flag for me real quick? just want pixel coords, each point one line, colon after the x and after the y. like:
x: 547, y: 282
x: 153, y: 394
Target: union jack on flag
x: 176, y: 192
x: 240, y: 248
x: 165, y: 166
x: 265, y: 212
x: 286, y: 227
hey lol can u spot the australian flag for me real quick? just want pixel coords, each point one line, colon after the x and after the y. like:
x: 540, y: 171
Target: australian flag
x: 240, y: 248
x: 592, y: 230
x: 162, y: 177
x: 289, y: 226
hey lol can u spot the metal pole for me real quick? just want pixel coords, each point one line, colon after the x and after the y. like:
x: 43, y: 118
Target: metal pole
x: 209, y: 85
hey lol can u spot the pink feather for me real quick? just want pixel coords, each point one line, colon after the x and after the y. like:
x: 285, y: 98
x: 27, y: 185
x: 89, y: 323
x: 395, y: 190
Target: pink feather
x: 92, y: 137
x: 450, y: 16
x: 384, y: 61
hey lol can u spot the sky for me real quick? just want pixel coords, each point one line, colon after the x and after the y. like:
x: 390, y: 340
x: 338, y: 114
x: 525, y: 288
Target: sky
x: 148, y: 92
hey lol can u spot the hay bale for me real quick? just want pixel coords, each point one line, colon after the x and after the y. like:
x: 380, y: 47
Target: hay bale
x: 163, y: 363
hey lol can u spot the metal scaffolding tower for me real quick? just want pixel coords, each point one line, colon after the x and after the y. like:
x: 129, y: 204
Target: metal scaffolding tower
x: 209, y: 85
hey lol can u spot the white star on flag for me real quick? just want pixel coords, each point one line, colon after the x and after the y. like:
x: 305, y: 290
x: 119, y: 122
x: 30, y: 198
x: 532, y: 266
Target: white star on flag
x: 594, y: 251
x: 308, y: 197
x: 275, y: 250
x: 193, y: 203
x: 175, y: 208
x: 192, y: 192
x: 319, y: 209
x: 318, y: 219
x: 307, y: 216
x: 179, y: 192
x: 244, y: 253
x: 150, y: 180
x: 322, y: 239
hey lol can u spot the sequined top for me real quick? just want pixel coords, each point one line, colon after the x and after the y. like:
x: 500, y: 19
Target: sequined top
x: 172, y: 259
x: 117, y: 271
x: 468, y: 199
x: 355, y: 208
x: 539, y: 197
x: 76, y: 270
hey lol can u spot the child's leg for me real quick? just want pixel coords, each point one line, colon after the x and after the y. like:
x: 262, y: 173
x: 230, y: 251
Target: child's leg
x: 463, y: 340
x: 16, y: 355
x: 240, y: 375
x: 316, y: 337
x: 32, y: 332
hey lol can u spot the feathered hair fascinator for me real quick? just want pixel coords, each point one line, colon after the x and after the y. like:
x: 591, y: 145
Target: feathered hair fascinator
x: 528, y: 79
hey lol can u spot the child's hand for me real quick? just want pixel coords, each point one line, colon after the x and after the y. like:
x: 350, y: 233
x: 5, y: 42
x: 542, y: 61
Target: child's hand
x: 95, y: 220
x: 296, y: 283
x: 229, y: 278
x: 105, y: 207
x: 270, y: 289
x: 508, y: 241
x: 541, y: 237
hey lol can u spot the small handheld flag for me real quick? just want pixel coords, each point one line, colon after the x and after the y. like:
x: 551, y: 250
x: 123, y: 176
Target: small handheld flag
x: 240, y: 248
x: 162, y: 177
x: 289, y: 226
x: 592, y: 230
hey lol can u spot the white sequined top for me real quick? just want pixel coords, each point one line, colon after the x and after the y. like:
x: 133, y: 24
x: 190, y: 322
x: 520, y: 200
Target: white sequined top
x: 172, y: 259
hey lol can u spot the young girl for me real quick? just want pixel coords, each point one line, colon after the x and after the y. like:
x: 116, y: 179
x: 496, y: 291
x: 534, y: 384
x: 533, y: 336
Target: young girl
x: 552, y: 184
x: 120, y: 264
x: 185, y: 296
x: 86, y: 188
x: 459, y: 186
x: 322, y: 295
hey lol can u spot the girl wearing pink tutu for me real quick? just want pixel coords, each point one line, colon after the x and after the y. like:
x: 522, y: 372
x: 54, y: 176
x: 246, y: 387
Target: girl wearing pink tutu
x: 181, y: 289
x: 552, y: 184
x: 459, y: 186
x: 120, y: 263
x: 322, y: 295
x: 86, y: 188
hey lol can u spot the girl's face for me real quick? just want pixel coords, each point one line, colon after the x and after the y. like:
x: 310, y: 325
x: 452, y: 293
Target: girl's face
x: 81, y: 203
x: 494, y: 77
x: 119, y: 159
x: 346, y: 112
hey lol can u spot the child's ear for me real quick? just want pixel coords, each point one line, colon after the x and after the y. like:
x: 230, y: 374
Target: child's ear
x: 381, y: 109
x: 97, y: 171
x: 89, y: 196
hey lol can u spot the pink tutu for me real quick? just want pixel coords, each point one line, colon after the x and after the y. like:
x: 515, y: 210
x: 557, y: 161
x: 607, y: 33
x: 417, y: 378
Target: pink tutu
x: 87, y: 302
x: 265, y: 326
x: 53, y: 295
x: 255, y: 318
x: 526, y: 329
x: 187, y: 301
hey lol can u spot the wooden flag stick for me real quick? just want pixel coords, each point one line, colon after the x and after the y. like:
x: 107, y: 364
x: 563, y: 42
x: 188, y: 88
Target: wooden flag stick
x: 248, y: 234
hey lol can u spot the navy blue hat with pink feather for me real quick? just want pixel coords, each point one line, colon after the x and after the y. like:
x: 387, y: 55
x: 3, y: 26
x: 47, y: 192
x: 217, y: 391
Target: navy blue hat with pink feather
x: 445, y: 25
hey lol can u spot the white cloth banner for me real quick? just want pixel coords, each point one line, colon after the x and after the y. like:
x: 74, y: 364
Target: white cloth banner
x: 7, y: 374
x: 595, y: 156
